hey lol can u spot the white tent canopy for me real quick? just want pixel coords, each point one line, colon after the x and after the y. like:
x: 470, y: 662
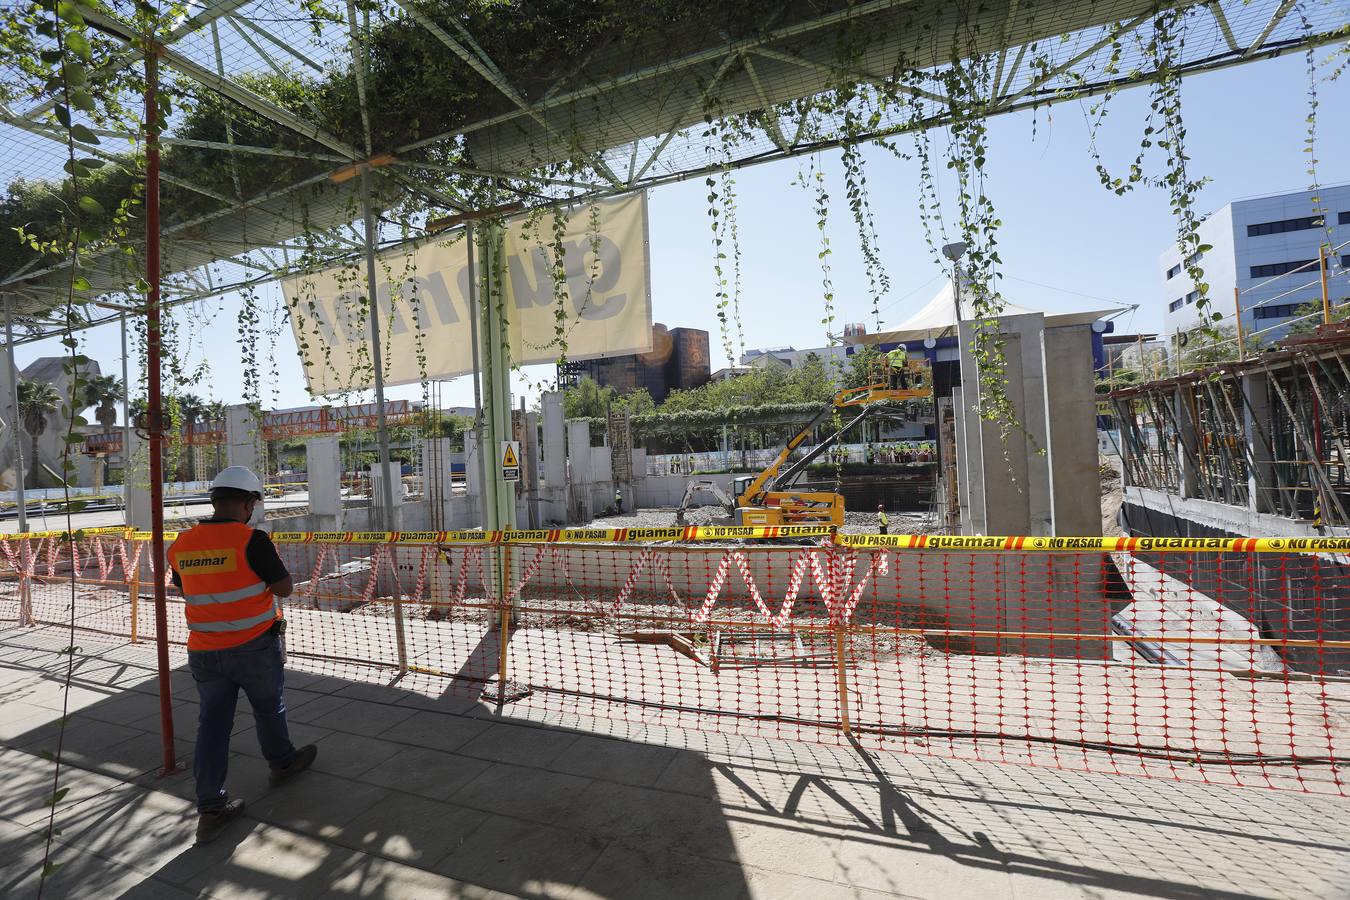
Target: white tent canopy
x: 938, y: 318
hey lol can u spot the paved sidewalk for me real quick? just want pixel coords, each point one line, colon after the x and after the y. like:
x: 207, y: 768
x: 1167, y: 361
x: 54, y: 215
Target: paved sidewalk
x: 417, y: 793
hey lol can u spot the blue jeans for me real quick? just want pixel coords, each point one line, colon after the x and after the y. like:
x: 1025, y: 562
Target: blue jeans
x: 255, y: 666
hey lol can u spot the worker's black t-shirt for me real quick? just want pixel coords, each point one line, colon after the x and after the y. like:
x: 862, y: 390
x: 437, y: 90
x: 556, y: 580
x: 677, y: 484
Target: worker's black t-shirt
x: 261, y: 555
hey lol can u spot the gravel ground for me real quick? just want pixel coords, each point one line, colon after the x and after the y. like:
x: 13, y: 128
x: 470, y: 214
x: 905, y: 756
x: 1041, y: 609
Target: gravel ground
x: 854, y: 522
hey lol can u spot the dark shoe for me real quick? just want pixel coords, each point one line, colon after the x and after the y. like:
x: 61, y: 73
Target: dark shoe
x: 304, y: 758
x: 211, y: 824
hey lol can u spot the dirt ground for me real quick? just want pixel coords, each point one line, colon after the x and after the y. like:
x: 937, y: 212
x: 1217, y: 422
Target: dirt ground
x: 854, y: 522
x: 1113, y: 493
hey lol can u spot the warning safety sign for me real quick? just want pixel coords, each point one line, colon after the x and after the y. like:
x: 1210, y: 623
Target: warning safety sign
x: 510, y: 457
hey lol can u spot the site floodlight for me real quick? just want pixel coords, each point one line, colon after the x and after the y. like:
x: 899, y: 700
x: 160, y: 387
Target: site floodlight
x: 955, y: 250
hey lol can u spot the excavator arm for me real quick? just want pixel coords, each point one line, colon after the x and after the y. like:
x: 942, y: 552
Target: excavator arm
x: 757, y: 488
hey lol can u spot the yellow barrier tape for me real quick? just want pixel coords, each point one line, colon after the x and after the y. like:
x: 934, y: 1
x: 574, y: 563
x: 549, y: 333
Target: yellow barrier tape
x: 758, y: 532
x: 1097, y: 544
x: 79, y: 532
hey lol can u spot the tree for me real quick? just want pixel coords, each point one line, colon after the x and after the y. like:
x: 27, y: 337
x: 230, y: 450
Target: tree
x: 37, y: 401
x: 863, y: 369
x: 1308, y: 317
x: 103, y: 392
x: 591, y: 400
x: 1210, y: 347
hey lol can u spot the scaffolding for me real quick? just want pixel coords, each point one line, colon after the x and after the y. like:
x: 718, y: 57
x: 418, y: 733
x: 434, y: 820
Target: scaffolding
x: 1271, y: 433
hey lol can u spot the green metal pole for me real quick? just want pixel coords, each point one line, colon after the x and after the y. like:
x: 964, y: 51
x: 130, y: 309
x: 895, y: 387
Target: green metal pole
x: 495, y: 309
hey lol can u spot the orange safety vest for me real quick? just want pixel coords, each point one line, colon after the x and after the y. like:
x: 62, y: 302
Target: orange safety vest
x: 227, y: 603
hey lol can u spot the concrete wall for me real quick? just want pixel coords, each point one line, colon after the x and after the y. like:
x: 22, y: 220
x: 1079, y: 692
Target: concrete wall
x: 1060, y: 593
x: 668, y: 490
x: 1294, y: 595
x: 1042, y: 477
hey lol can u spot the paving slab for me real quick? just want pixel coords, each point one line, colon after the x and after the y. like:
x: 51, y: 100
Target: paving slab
x: 424, y: 772
x: 533, y: 802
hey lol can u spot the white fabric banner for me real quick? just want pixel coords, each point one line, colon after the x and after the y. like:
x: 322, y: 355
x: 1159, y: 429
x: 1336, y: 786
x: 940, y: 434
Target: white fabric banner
x: 424, y: 328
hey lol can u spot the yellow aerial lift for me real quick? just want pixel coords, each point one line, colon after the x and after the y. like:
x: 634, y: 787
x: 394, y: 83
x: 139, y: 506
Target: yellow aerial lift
x: 759, y: 501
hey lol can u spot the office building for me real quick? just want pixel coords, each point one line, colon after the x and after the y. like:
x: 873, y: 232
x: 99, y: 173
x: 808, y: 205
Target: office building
x: 1266, y: 248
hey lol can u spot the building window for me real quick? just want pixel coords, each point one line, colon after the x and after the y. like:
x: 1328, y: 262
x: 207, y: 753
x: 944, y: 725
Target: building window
x: 1192, y: 296
x: 1176, y: 304
x: 1174, y: 271
x: 1344, y: 218
x: 1275, y: 311
x: 1274, y: 269
x: 1284, y: 225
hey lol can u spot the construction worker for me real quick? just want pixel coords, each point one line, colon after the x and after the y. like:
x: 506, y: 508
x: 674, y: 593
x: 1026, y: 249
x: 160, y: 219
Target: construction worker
x: 233, y: 582
x: 883, y: 521
x: 618, y: 499
x: 896, y: 362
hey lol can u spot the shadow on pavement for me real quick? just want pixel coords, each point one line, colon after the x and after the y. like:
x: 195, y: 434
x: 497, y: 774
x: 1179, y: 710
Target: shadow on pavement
x: 417, y: 795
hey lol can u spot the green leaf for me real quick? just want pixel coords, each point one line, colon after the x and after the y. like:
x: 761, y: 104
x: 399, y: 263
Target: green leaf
x: 92, y: 163
x: 69, y: 12
x: 50, y: 869
x: 58, y: 796
x: 79, y: 44
x: 91, y: 206
x: 83, y: 134
x: 82, y: 99
x: 62, y: 114
x: 80, y: 283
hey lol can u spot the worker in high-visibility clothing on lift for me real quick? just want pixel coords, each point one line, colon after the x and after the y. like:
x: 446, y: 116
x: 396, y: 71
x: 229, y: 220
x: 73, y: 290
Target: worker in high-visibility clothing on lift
x: 233, y: 582
x: 897, y: 363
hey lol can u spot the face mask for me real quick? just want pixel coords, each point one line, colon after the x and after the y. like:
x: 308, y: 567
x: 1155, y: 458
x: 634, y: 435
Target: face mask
x: 255, y: 520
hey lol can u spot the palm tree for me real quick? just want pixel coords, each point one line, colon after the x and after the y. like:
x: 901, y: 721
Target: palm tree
x: 215, y: 413
x: 191, y: 408
x: 37, y: 401
x: 103, y: 392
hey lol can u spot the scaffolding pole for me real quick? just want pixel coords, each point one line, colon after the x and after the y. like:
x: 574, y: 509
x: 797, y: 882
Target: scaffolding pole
x: 126, y: 430
x: 14, y: 426
x: 155, y: 412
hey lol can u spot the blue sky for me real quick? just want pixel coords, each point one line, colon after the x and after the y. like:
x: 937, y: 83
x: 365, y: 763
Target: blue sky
x: 1066, y: 242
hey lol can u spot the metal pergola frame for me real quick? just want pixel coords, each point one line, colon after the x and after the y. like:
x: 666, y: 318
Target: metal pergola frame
x: 651, y: 156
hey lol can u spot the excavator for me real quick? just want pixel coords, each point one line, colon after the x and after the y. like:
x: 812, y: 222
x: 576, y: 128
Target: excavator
x: 766, y: 498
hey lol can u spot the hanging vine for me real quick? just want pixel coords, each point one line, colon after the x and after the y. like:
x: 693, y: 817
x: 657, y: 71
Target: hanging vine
x: 855, y: 188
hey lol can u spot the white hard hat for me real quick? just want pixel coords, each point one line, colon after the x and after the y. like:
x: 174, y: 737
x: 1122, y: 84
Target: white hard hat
x: 240, y: 478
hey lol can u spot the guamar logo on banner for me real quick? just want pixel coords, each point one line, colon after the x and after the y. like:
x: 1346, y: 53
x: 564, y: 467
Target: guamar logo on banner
x: 427, y: 290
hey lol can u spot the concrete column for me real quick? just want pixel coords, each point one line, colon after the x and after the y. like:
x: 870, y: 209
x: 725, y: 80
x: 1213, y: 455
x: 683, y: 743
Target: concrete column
x: 1256, y: 420
x: 1188, y: 445
x: 323, y: 463
x: 1071, y: 416
x: 1033, y: 410
x: 136, y: 482
x: 473, y: 476
x: 580, y: 472
x: 967, y: 448
x: 391, y: 481
x: 529, y: 448
x: 243, y: 439
x: 555, y: 457
x: 997, y: 472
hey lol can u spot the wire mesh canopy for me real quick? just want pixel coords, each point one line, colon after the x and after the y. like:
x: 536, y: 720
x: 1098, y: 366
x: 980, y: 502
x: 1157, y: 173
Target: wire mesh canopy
x: 462, y: 106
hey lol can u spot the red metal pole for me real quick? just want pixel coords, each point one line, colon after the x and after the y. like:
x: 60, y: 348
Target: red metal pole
x: 155, y: 415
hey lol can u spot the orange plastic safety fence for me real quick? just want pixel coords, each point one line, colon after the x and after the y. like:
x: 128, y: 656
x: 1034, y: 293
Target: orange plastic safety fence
x: 1228, y: 666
